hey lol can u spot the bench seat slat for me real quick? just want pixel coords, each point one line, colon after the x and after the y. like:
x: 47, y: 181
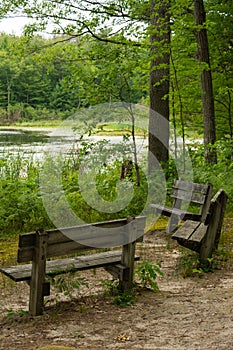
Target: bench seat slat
x: 168, y: 211
x: 191, y: 231
x: 189, y: 193
x: 55, y: 267
x: 67, y: 234
x: 191, y: 186
x: 199, y: 234
x: 186, y: 230
x: 191, y: 235
x: 26, y: 254
x: 69, y: 240
x: 188, y: 196
x: 82, y: 235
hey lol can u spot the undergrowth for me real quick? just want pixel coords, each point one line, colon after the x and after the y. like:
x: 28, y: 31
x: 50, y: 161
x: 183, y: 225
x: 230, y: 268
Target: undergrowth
x: 145, y: 276
x: 22, y: 207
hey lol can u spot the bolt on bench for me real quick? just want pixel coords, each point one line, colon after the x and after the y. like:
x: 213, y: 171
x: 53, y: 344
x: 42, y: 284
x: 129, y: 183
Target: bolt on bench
x: 42, y: 245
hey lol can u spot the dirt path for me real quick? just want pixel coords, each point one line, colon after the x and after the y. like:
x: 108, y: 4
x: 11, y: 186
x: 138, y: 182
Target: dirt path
x: 187, y: 313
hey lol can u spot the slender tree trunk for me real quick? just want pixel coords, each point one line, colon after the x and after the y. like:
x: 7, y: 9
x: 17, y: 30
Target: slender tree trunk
x: 174, y: 119
x: 8, y: 98
x: 180, y: 108
x: 159, y: 83
x: 206, y: 81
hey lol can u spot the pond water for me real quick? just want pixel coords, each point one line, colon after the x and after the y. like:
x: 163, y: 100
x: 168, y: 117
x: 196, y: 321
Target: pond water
x: 22, y: 142
x: 36, y: 142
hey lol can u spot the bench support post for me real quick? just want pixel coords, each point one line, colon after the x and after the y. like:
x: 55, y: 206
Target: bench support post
x: 36, y: 301
x: 127, y: 259
x: 211, y: 239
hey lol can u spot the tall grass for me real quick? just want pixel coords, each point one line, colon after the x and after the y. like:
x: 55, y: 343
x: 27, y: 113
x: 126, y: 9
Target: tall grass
x: 21, y: 204
x: 22, y: 207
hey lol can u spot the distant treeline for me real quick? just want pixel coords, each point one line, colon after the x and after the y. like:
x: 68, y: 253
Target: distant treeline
x: 41, y: 79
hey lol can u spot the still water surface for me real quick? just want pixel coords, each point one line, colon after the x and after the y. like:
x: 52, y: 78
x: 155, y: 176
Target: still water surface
x: 36, y: 142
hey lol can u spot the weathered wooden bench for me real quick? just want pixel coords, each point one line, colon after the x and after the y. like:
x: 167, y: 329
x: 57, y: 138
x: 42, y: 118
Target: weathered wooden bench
x: 41, y: 245
x: 203, y: 237
x: 186, y: 194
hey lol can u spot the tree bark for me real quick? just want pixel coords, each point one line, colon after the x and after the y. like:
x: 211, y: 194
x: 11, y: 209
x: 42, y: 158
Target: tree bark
x: 206, y: 81
x: 159, y: 84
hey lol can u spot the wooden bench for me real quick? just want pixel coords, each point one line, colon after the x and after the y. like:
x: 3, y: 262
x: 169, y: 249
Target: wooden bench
x: 42, y: 245
x: 186, y: 194
x: 203, y: 237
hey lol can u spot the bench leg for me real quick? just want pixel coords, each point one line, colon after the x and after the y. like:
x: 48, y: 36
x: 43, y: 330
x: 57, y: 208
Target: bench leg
x: 36, y: 301
x: 126, y: 278
x: 127, y: 258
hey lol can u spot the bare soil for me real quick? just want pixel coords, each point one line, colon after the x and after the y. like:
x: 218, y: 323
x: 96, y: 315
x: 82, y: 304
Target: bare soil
x: 186, y: 313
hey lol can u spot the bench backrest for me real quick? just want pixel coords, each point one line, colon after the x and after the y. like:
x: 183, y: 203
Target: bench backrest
x: 185, y: 194
x: 65, y: 241
x: 216, y: 215
x: 191, y: 192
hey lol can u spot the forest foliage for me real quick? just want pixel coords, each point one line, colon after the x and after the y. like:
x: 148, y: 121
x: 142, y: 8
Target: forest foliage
x: 49, y: 78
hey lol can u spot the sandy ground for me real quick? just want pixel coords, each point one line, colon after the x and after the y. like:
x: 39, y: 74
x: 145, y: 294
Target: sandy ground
x: 186, y: 313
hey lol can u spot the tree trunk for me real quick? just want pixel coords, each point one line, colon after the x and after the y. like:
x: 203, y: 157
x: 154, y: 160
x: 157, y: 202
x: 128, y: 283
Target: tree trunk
x: 8, y: 98
x: 206, y: 81
x: 159, y: 84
